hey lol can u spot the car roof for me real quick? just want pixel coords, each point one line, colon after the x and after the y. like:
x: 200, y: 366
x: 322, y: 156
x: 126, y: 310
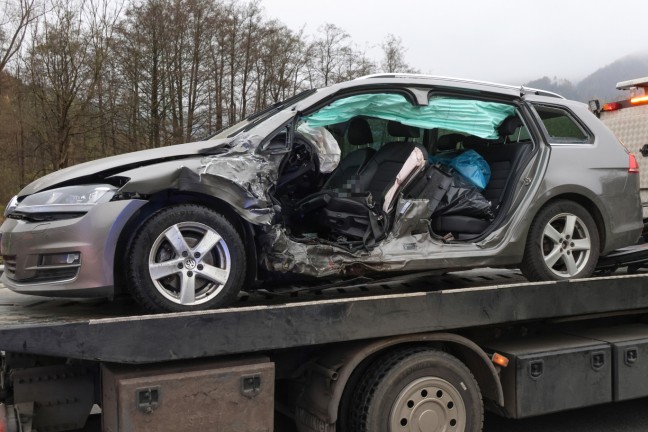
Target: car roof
x: 434, y: 80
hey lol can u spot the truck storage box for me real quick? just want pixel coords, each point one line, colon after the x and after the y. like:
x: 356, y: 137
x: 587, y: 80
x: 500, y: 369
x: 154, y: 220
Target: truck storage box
x: 211, y: 396
x: 554, y: 373
x: 629, y: 355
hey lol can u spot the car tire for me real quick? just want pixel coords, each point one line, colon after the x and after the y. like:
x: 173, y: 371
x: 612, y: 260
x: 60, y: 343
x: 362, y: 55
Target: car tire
x: 186, y: 257
x: 416, y: 388
x: 563, y: 243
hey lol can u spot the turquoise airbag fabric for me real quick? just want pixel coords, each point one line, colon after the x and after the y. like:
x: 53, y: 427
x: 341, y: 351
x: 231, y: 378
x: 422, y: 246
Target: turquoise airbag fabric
x: 473, y: 117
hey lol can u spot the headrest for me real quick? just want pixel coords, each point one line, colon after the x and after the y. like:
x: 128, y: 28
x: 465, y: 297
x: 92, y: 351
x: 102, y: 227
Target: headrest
x: 359, y: 132
x: 509, y: 125
x: 449, y: 141
x: 399, y: 130
x: 472, y: 142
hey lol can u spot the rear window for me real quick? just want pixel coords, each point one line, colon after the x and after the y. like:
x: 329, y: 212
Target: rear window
x: 561, y: 126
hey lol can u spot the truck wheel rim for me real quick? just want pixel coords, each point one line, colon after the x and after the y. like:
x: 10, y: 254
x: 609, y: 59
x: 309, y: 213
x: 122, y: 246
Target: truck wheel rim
x: 566, y: 245
x: 428, y: 404
x: 189, y: 263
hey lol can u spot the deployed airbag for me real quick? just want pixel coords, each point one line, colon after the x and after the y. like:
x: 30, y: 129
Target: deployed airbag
x: 326, y: 146
x: 473, y: 117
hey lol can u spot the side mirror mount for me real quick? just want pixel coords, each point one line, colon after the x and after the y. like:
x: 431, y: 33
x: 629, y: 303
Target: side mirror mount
x: 276, y: 145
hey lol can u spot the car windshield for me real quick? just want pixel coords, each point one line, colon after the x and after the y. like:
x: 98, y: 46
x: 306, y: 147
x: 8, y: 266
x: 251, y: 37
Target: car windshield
x: 259, y: 116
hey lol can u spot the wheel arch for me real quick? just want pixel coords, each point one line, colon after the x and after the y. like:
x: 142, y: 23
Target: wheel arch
x: 168, y: 198
x: 590, y: 205
x: 346, y: 364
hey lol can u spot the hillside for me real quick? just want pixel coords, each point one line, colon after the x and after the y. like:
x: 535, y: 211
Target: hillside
x: 600, y: 84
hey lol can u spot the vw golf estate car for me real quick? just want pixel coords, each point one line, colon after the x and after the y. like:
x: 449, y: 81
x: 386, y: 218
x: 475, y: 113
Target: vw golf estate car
x: 383, y: 174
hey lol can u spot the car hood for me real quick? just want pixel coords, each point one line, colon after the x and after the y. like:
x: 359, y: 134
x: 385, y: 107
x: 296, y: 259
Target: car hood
x: 97, y: 170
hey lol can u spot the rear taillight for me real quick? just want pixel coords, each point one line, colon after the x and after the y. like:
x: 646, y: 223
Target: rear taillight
x: 612, y: 106
x: 633, y: 165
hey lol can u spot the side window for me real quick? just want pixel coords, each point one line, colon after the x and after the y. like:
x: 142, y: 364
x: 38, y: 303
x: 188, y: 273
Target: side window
x: 561, y: 126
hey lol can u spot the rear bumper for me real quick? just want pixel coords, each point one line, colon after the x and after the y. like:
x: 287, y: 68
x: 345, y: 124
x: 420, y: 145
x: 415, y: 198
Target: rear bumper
x: 93, y: 236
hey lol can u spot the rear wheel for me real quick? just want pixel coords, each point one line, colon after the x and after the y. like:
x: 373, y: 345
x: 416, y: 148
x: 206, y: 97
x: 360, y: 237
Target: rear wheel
x: 416, y: 389
x: 186, y: 257
x: 563, y: 243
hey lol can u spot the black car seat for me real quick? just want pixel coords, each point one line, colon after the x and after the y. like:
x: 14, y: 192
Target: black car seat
x: 358, y: 133
x: 509, y: 126
x: 501, y: 158
x: 448, y: 142
x: 349, y: 211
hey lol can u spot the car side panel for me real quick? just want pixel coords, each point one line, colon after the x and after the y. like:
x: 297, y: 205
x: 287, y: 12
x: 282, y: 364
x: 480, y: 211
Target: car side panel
x: 599, y: 172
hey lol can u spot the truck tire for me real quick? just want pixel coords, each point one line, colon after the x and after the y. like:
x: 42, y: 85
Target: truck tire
x: 414, y: 389
x: 186, y: 257
x: 563, y: 243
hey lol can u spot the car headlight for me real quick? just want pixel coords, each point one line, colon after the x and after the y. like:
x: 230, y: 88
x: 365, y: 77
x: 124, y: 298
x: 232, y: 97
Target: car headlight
x: 13, y: 203
x: 63, y: 200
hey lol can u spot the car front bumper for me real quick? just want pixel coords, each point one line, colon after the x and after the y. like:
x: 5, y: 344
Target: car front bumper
x: 28, y: 249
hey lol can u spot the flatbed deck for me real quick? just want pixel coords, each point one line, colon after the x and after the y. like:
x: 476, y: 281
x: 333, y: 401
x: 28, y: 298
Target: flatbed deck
x: 117, y: 332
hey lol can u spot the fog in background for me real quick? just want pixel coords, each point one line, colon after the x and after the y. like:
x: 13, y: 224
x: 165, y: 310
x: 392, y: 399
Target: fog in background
x: 498, y: 40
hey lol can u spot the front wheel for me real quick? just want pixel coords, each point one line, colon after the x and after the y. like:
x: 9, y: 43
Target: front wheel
x: 416, y: 389
x: 563, y: 243
x: 186, y: 257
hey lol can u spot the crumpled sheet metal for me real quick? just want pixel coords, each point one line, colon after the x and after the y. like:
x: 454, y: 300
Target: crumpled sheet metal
x: 241, y: 165
x: 235, y: 174
x: 409, y: 251
x: 282, y: 254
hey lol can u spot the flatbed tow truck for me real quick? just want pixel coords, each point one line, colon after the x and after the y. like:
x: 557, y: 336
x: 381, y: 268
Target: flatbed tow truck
x: 323, y: 356
x: 421, y: 352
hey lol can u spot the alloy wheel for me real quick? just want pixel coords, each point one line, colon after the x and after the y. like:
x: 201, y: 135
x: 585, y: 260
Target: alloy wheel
x: 189, y: 263
x: 566, y: 245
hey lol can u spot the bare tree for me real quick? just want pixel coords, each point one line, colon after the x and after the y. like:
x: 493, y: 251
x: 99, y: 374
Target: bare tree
x: 90, y: 78
x: 63, y: 70
x: 17, y: 16
x: 394, y: 56
x: 327, y: 53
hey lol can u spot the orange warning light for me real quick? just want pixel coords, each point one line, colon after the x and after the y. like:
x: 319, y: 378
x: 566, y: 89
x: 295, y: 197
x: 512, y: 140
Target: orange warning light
x: 639, y: 100
x: 500, y: 360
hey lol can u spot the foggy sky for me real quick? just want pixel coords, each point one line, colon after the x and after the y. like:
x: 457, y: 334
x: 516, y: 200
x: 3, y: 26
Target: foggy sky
x: 495, y: 40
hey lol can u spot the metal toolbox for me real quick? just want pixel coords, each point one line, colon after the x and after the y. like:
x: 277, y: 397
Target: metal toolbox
x: 629, y: 355
x: 218, y: 396
x: 554, y: 373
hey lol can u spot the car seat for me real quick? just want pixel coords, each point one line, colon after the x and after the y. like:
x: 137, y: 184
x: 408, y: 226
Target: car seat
x: 358, y: 133
x: 354, y: 210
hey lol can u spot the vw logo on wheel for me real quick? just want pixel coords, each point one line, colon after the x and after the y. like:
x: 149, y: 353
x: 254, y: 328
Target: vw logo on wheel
x: 190, y: 263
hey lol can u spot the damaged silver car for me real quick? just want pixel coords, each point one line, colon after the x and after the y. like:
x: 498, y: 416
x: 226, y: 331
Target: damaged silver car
x: 384, y: 174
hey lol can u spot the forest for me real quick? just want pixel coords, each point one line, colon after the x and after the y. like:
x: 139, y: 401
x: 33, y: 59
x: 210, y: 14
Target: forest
x: 84, y: 79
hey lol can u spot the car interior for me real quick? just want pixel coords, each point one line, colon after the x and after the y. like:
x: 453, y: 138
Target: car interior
x: 394, y: 154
